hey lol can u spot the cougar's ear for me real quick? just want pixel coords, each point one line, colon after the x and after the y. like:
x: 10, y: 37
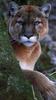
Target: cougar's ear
x: 45, y: 9
x: 12, y: 8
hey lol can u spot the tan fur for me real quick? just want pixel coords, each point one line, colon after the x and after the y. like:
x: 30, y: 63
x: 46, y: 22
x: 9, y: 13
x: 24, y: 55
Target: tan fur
x: 28, y: 55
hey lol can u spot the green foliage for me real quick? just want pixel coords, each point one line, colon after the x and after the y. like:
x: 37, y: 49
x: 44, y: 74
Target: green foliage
x: 37, y: 2
x: 20, y: 2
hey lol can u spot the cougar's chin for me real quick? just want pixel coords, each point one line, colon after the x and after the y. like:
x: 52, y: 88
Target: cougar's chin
x: 28, y: 41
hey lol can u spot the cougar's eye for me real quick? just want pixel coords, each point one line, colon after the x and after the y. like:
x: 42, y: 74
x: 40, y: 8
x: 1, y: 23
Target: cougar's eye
x: 37, y: 22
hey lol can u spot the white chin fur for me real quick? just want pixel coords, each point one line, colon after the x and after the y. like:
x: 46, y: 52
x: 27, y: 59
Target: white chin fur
x: 33, y: 39
x: 28, y: 41
x: 28, y: 44
x: 23, y: 39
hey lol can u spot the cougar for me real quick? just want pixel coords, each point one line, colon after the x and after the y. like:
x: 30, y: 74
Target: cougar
x: 27, y: 25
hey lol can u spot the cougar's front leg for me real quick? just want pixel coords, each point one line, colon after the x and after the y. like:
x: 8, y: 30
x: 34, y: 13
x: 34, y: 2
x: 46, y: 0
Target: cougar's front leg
x: 40, y: 81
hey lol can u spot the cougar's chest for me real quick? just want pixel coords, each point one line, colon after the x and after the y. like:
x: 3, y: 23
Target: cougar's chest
x: 27, y: 57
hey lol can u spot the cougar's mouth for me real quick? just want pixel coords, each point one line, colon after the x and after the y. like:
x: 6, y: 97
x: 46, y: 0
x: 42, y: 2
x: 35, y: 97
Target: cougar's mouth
x: 28, y: 41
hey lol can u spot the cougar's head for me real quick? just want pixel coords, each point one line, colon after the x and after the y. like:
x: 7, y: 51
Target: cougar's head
x: 28, y: 24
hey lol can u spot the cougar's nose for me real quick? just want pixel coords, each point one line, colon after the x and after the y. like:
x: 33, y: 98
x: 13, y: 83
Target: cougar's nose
x: 28, y: 34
